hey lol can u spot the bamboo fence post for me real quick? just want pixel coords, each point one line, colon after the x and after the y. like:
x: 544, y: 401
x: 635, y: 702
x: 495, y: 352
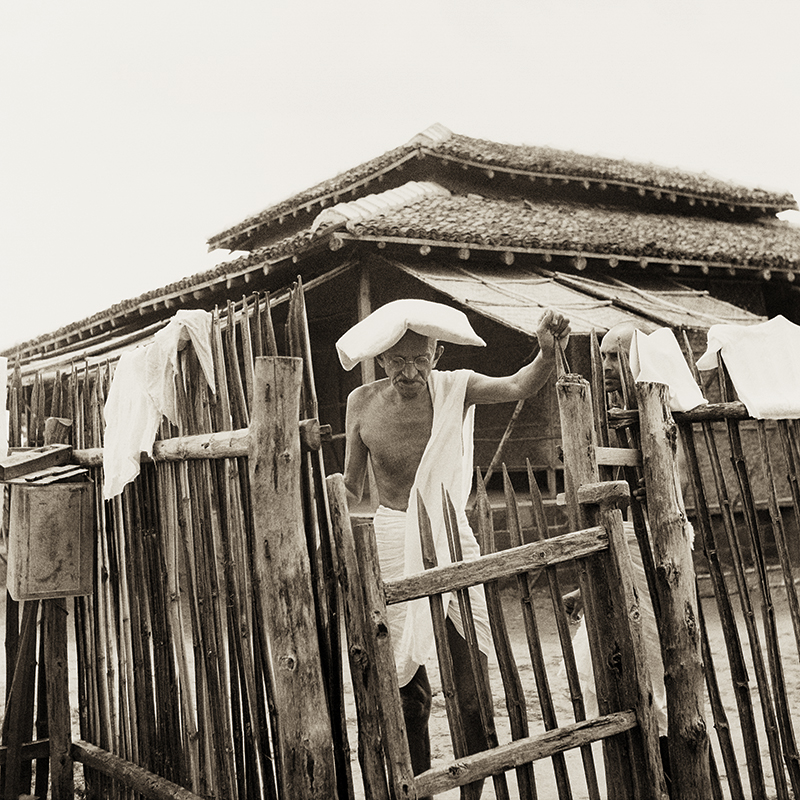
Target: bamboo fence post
x: 773, y: 719
x: 790, y: 452
x: 539, y: 533
x: 675, y: 583
x: 479, y: 674
x: 739, y: 678
x: 525, y: 585
x: 323, y: 554
x: 512, y: 685
x: 359, y: 652
x: 284, y: 581
x: 19, y: 703
x: 773, y: 645
x: 774, y: 713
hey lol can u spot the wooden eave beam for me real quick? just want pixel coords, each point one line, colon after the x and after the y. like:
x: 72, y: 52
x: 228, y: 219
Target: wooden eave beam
x: 613, y: 259
x: 491, y: 170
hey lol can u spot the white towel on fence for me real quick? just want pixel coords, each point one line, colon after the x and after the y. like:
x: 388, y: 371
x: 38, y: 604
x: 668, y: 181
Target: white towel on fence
x: 657, y: 358
x: 143, y: 389
x: 447, y: 461
x: 764, y: 364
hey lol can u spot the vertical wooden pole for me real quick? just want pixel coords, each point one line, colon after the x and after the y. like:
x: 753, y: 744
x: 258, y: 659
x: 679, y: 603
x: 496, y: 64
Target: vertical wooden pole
x: 359, y: 650
x: 578, y: 442
x: 54, y: 622
x: 364, y: 310
x: 619, y: 655
x: 393, y: 725
x: 632, y: 766
x: 56, y: 663
x: 676, y: 587
x: 283, y: 581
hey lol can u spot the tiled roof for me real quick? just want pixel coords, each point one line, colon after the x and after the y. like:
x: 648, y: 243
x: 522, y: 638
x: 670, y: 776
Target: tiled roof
x: 549, y: 161
x: 383, y: 202
x: 536, y: 162
x: 587, y: 229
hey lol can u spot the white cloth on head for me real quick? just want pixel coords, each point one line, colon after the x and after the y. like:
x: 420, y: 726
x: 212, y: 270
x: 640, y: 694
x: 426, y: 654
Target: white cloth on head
x: 764, y: 364
x: 657, y: 358
x: 385, y: 326
x: 143, y: 390
x: 446, y: 461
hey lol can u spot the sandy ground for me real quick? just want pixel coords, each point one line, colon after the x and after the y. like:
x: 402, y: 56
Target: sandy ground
x: 440, y: 737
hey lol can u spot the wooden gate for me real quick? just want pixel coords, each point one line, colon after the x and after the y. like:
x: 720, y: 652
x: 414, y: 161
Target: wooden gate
x: 626, y: 724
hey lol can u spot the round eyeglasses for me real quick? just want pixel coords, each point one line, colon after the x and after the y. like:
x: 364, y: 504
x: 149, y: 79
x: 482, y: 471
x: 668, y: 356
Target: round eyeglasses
x: 398, y: 363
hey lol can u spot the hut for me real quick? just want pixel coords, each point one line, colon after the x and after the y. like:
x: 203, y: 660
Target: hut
x: 501, y: 231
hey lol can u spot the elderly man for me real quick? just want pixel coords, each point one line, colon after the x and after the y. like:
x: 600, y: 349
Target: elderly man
x: 415, y: 426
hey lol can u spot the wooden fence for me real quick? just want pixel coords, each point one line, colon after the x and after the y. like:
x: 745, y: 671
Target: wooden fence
x: 182, y: 655
x: 187, y: 662
x: 743, y: 501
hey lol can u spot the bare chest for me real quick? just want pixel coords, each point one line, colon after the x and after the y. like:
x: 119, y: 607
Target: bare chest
x: 396, y: 437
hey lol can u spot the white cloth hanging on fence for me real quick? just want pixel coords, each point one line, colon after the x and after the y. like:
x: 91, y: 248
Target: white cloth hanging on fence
x: 658, y: 358
x: 764, y: 364
x: 447, y: 461
x: 143, y: 390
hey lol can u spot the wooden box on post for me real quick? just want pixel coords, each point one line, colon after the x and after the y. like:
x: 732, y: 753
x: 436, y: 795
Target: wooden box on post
x: 50, y: 540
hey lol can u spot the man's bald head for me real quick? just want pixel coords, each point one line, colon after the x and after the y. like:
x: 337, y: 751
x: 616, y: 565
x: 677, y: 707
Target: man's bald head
x: 617, y: 340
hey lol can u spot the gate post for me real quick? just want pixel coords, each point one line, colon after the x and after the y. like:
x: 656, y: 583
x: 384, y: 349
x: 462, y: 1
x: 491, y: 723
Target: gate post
x: 633, y: 767
x: 676, y: 586
x: 283, y: 582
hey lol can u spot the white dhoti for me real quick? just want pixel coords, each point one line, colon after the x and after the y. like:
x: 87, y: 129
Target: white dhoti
x: 446, y: 462
x: 413, y: 645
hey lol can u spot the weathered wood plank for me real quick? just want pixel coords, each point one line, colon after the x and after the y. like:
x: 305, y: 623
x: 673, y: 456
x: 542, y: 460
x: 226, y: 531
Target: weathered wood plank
x: 21, y: 462
x: 618, y: 457
x: 132, y: 776
x: 522, y: 751
x: 283, y: 581
x: 676, y: 587
x: 451, y: 577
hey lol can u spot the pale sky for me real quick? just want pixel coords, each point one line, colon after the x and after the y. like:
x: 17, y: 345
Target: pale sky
x: 131, y: 133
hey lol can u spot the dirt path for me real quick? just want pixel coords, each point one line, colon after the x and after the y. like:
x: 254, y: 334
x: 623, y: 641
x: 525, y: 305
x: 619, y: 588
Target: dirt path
x: 440, y: 737
x: 546, y: 786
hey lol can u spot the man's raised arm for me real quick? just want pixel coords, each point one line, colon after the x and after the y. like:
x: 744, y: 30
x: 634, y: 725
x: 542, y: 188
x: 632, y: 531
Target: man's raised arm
x: 527, y: 381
